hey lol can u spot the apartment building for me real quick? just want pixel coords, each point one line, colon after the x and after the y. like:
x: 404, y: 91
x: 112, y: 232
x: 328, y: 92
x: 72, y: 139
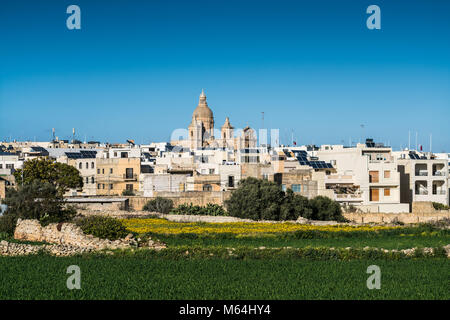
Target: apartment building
x: 366, y: 176
x: 85, y: 162
x: 424, y: 177
x: 115, y: 175
x: 151, y: 184
x: 9, y: 162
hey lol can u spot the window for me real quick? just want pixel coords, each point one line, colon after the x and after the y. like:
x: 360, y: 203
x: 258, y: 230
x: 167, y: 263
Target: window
x: 80, y: 166
x: 103, y: 171
x: 211, y: 171
x: 103, y: 186
x: 87, y: 165
x: 231, y: 181
x: 129, y: 187
x: 297, y: 187
x: 283, y: 187
x: 387, y: 192
x: 265, y: 176
x: 92, y: 165
x: 387, y: 174
x: 1, y: 166
x: 374, y: 195
x: 115, y: 154
x: 10, y: 166
x: 124, y: 154
x: 87, y: 180
x: 373, y: 176
x: 129, y: 173
x: 111, y: 186
x: 110, y: 170
x: 98, y: 186
x: 98, y: 171
x: 92, y: 180
x: 207, y: 187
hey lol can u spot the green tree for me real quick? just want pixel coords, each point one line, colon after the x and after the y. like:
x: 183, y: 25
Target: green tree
x: 264, y: 200
x: 61, y: 175
x: 323, y: 208
x: 294, y: 206
x: 37, y: 200
x: 256, y: 199
x: 159, y: 204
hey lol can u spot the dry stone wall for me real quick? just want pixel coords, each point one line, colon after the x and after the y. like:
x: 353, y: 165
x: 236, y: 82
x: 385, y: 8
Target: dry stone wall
x: 69, y: 237
x: 398, y: 217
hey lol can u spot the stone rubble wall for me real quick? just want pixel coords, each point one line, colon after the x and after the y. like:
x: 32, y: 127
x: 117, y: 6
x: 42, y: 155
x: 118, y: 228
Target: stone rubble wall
x: 65, y: 234
x: 66, y: 239
x: 19, y: 249
x: 398, y: 217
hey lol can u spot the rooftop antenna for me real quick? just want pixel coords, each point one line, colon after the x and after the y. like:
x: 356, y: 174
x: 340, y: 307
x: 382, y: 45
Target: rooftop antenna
x: 362, y: 131
x: 409, y: 139
x: 417, y: 149
x: 262, y: 113
x: 431, y: 141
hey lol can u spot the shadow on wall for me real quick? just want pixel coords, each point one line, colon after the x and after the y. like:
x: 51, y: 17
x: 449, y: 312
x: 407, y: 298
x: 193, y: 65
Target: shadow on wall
x: 405, y: 191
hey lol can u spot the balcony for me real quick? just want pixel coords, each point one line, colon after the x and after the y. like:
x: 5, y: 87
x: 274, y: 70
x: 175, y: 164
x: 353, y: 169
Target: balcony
x: 130, y: 177
x: 439, y: 192
x: 439, y: 173
x: 339, y: 178
x: 422, y: 173
x: 348, y: 197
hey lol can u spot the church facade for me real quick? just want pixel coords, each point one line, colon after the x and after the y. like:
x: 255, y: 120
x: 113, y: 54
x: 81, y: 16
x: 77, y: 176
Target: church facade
x: 202, y: 134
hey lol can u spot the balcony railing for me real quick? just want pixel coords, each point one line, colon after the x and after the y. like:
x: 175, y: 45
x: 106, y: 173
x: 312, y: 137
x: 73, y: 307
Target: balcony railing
x: 422, y: 173
x: 422, y: 192
x: 347, y: 197
x: 130, y: 176
x: 439, y: 192
x: 439, y: 173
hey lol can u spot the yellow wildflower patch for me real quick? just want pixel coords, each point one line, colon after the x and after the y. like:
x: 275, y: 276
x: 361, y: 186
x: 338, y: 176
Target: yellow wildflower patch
x: 162, y: 226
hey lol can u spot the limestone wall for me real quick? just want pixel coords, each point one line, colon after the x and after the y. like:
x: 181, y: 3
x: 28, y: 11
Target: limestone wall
x: 199, y: 198
x: 415, y: 217
x: 65, y: 234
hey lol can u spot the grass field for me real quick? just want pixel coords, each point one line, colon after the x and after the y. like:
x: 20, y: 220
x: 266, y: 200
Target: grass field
x: 44, y: 277
x: 224, y: 261
x: 386, y: 242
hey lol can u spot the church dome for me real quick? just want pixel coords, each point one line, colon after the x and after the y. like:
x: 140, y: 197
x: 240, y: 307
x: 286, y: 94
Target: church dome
x: 203, y: 112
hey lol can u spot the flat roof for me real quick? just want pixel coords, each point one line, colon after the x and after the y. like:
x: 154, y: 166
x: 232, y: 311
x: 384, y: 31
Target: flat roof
x: 95, y: 200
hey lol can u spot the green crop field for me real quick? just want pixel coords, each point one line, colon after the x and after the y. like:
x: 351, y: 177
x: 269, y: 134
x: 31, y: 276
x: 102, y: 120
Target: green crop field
x: 226, y: 261
x: 386, y: 242
x: 143, y: 277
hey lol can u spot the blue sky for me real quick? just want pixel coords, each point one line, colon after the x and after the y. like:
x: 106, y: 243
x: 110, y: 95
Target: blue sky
x: 136, y: 68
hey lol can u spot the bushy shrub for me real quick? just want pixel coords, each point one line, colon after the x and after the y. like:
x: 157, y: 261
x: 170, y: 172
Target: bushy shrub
x: 256, y: 199
x: 37, y: 200
x: 209, y: 210
x: 8, y: 224
x: 264, y: 200
x: 212, y: 209
x: 159, y: 204
x: 102, y: 227
x: 294, y: 206
x: 323, y: 208
x: 440, y: 206
x: 127, y: 192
